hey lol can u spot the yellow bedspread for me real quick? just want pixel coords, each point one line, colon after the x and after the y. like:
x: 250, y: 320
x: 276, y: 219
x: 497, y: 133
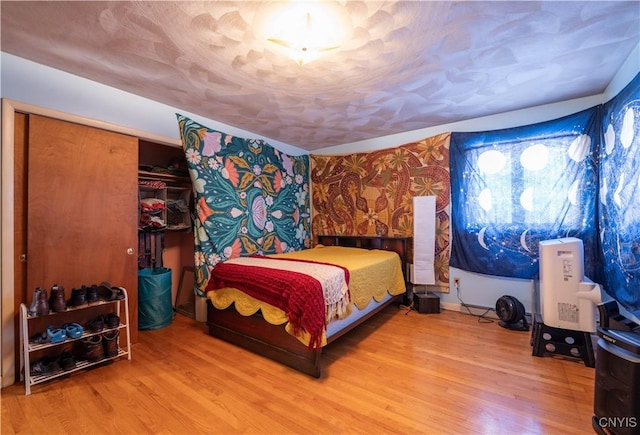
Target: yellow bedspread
x: 373, y: 273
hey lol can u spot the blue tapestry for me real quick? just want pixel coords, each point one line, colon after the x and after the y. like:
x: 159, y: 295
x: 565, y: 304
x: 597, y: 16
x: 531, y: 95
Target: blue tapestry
x: 620, y: 196
x: 512, y: 188
x: 249, y: 197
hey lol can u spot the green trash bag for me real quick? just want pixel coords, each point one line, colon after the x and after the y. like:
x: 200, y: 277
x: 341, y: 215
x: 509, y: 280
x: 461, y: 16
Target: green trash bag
x: 155, y: 308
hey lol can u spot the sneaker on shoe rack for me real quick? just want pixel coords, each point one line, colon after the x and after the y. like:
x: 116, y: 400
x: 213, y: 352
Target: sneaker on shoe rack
x: 67, y: 361
x: 44, y: 366
x: 112, y: 320
x: 40, y: 338
x: 96, y: 325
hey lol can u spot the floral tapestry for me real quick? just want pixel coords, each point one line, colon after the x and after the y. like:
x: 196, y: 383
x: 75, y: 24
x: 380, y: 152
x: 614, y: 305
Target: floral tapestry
x: 249, y: 197
x: 372, y: 193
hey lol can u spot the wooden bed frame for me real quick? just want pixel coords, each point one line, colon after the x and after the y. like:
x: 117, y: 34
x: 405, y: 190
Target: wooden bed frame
x: 272, y: 341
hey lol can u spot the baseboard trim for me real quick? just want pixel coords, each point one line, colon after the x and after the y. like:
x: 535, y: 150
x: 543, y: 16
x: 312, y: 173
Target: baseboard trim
x: 475, y: 310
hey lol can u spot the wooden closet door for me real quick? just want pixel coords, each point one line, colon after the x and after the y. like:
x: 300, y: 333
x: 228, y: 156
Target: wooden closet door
x: 82, y: 214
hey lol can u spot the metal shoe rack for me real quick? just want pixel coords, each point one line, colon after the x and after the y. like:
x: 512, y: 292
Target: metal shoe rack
x: 29, y: 348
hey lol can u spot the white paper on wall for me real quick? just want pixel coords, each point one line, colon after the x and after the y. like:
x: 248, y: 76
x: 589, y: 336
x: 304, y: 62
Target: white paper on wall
x: 424, y: 240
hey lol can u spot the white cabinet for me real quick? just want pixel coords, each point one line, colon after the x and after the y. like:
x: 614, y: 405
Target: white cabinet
x: 34, y: 352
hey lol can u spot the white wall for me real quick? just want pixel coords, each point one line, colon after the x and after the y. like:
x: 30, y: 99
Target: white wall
x: 493, y: 122
x: 32, y: 83
x: 625, y: 74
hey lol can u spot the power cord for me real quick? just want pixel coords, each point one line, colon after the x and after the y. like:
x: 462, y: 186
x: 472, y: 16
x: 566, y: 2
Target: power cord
x: 409, y: 308
x: 481, y: 317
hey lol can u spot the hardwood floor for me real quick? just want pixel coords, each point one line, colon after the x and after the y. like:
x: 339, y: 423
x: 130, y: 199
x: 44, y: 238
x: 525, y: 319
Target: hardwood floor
x: 397, y: 373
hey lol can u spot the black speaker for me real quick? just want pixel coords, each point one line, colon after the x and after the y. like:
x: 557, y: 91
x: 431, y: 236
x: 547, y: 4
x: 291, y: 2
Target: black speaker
x: 617, y: 387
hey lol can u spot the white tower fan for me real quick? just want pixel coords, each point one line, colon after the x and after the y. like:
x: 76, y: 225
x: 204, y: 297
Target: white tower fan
x: 568, y: 299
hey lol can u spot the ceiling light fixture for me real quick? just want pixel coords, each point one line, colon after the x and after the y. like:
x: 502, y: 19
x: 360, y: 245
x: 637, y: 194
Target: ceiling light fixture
x: 307, y: 30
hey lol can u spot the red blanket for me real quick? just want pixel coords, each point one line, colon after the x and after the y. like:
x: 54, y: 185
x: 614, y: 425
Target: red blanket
x: 299, y: 295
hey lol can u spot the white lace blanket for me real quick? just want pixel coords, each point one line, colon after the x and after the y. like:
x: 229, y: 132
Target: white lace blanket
x: 332, y: 279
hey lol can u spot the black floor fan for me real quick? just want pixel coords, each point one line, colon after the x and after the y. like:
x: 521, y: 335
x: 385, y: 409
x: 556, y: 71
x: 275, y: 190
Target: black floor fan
x: 511, y: 313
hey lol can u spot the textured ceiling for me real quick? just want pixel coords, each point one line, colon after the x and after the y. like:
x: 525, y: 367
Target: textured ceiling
x: 405, y: 65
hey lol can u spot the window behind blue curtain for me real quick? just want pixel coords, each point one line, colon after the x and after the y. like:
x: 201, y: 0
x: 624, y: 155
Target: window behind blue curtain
x: 512, y: 188
x: 620, y: 196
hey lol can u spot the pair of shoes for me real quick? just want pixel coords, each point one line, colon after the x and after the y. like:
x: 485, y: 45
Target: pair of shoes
x: 45, y: 366
x: 67, y: 361
x: 109, y: 321
x: 57, y: 300
x: 78, y: 297
x: 39, y: 304
x: 57, y: 335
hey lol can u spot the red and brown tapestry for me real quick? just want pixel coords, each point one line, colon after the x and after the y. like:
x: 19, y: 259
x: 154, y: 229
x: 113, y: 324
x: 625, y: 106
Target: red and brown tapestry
x: 372, y: 193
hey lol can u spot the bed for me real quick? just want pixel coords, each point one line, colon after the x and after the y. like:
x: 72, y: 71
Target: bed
x: 375, y: 269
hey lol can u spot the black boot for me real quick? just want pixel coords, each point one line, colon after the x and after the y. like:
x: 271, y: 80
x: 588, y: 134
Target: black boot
x: 92, y: 294
x: 78, y: 297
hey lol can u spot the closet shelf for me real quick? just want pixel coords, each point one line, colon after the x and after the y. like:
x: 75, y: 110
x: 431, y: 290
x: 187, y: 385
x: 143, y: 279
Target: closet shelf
x: 175, y: 193
x: 147, y: 175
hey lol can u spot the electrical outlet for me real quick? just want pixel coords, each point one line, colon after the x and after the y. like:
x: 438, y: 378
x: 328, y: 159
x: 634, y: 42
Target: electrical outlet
x: 456, y: 282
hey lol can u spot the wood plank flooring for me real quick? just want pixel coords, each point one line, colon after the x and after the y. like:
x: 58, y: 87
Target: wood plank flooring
x: 397, y: 373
